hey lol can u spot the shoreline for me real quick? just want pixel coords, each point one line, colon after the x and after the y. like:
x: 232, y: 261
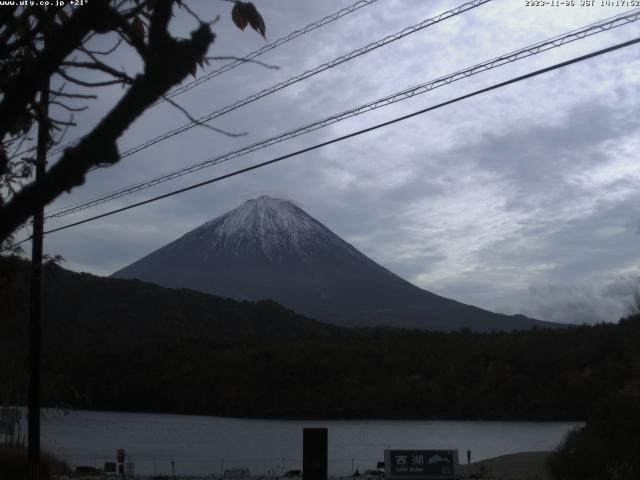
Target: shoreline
x: 69, y: 411
x: 514, y: 466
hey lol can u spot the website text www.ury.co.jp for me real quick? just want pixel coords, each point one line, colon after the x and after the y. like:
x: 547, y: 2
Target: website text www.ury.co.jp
x: 43, y: 3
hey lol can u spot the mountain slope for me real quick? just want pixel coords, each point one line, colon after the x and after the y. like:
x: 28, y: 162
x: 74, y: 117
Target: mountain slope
x: 79, y: 308
x: 270, y: 248
x: 123, y: 345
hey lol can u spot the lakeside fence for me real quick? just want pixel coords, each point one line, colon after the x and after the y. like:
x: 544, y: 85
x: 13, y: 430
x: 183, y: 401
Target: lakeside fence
x: 200, y: 465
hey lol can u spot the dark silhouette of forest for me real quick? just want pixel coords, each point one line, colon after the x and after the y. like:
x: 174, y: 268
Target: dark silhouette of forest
x: 608, y: 446
x: 126, y: 345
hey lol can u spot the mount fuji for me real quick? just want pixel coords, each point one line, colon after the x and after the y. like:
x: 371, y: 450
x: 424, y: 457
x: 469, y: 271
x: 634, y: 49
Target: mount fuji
x: 268, y: 248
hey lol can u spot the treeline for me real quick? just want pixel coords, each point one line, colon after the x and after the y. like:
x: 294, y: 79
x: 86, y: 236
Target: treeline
x: 607, y: 447
x: 528, y: 375
x: 259, y: 360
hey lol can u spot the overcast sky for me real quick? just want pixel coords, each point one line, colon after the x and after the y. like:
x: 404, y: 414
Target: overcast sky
x: 522, y: 200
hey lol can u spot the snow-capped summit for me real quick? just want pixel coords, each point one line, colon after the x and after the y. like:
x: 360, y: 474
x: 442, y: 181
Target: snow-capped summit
x: 268, y: 248
x: 266, y: 226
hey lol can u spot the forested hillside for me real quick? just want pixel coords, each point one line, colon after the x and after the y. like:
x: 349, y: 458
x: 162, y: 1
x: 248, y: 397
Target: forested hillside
x: 125, y: 345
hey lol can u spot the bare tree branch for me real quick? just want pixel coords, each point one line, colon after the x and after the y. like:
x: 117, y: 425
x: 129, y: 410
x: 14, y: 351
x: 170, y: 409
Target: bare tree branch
x: 54, y: 122
x: 100, y: 66
x: 46, y: 52
x: 75, y: 95
x: 109, y: 51
x: 68, y: 37
x: 99, y: 146
x: 84, y: 83
x: 202, y: 124
x: 67, y: 107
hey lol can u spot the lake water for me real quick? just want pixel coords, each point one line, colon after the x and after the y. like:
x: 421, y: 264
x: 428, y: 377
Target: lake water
x: 209, y: 445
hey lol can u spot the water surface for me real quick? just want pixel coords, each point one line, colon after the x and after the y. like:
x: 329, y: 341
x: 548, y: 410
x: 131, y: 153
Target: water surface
x: 208, y: 445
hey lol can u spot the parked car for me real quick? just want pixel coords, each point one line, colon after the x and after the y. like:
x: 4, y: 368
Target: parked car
x: 292, y: 473
x: 373, y: 473
x: 237, y: 473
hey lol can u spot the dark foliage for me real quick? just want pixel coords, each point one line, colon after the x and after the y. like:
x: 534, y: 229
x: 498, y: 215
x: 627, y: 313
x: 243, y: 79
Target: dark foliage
x: 47, y: 44
x: 13, y: 464
x: 128, y: 345
x: 608, y: 446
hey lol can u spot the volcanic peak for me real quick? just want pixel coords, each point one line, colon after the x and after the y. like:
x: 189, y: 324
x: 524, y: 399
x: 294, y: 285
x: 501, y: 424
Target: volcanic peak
x: 270, y: 225
x: 269, y: 248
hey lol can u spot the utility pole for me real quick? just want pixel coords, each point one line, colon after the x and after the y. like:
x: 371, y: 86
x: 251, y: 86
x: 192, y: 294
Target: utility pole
x: 35, y: 310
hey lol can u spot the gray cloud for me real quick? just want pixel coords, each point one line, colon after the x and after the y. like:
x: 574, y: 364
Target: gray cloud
x: 523, y: 200
x: 579, y: 303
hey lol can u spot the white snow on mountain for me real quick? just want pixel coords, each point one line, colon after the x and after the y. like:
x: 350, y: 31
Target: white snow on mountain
x: 269, y: 248
x: 271, y: 224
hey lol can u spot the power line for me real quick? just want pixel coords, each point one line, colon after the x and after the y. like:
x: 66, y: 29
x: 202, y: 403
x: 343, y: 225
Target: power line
x: 295, y: 34
x: 247, y: 58
x: 525, y: 52
x: 350, y: 135
x: 307, y: 74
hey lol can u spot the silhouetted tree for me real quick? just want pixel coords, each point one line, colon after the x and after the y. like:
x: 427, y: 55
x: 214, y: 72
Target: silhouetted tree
x: 38, y: 43
x: 608, y: 446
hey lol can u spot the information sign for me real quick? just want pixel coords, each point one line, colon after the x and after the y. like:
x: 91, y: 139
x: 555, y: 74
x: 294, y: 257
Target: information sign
x: 420, y: 463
